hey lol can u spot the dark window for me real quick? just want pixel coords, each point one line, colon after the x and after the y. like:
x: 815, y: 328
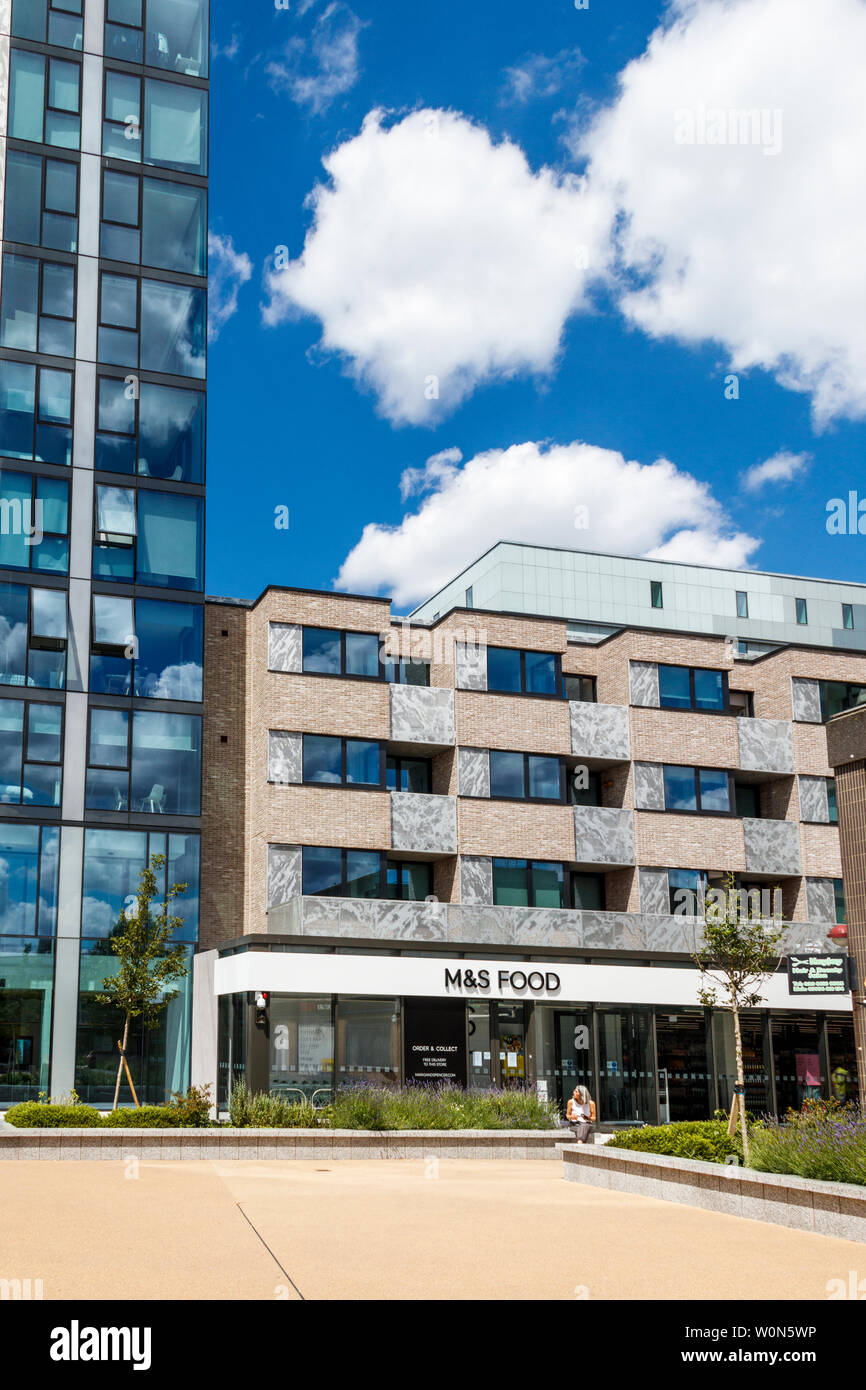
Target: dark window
x: 584, y: 787
x: 802, y: 611
x: 839, y: 895
x: 407, y: 671
x: 408, y: 774
x: 528, y: 883
x: 848, y: 615
x: 580, y: 688
x: 41, y: 201
x: 342, y: 873
x: 747, y: 800
x: 742, y: 604
x: 34, y: 522
x: 35, y: 413
x: 523, y: 672
x: 32, y: 636
x: 587, y: 892
x: 31, y: 743
x: 525, y: 776
x: 692, y: 688
x: 832, y: 804
x: 687, y: 888
x: 741, y: 703
x: 342, y: 761
x: 837, y: 696
x: 697, y: 789
x: 411, y: 880
x: 332, y: 652
x: 656, y: 597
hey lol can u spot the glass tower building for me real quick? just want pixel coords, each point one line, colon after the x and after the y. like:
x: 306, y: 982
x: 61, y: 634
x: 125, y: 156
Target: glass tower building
x: 103, y: 214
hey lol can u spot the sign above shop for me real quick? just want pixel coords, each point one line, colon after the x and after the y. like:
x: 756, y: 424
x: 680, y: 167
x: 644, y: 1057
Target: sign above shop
x: 819, y: 974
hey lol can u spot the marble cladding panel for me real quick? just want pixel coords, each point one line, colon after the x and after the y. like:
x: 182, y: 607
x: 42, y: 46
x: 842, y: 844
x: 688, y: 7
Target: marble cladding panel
x: 470, y: 665
x: 643, y: 683
x: 423, y: 824
x: 284, y: 873
x: 772, y: 846
x: 814, y: 803
x: 285, y: 757
x: 422, y: 714
x: 476, y: 879
x: 473, y: 771
x: 820, y: 900
x: 649, y: 787
x: 805, y: 700
x: 603, y: 835
x: 599, y: 731
x: 766, y: 745
x: 284, y: 647
x: 654, y: 896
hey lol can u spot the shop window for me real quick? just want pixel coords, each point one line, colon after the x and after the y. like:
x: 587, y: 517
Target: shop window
x: 154, y: 222
x: 37, y: 312
x: 147, y: 762
x: 58, y: 22
x: 368, y: 1042
x: 526, y: 776
x: 32, y: 636
x: 580, y: 688
x: 41, y: 204
x: 27, y: 967
x: 411, y: 880
x: 171, y: 34
x: 342, y: 873
x: 35, y: 413
x: 28, y: 900
x: 160, y: 123
x: 523, y: 672
x: 705, y: 789
x: 692, y: 688
x: 345, y: 762
x: 44, y: 99
x: 528, y: 883
x: 31, y: 742
x: 332, y: 652
x: 408, y: 775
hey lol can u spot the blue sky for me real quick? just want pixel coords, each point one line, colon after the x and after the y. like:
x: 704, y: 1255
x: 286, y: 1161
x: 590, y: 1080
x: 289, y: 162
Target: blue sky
x: 561, y: 240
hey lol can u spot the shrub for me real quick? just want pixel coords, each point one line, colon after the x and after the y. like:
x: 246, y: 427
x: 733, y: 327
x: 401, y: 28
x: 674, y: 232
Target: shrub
x: 145, y: 1117
x: 440, y: 1107
x: 194, y: 1107
x: 707, y: 1140
x: 36, y: 1114
x: 825, y: 1140
x: 271, y: 1111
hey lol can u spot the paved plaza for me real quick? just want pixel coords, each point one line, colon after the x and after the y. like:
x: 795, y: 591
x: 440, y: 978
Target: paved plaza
x: 357, y: 1229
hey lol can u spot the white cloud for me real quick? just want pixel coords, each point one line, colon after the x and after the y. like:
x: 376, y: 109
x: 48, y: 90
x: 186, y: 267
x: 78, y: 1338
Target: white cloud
x: 759, y: 252
x: 781, y: 468
x: 438, y: 260
x: 228, y: 50
x: 228, y: 270
x: 315, y: 73
x: 533, y: 492
x: 538, y: 76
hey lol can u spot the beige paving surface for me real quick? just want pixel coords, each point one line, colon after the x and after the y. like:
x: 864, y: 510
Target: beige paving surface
x: 386, y: 1230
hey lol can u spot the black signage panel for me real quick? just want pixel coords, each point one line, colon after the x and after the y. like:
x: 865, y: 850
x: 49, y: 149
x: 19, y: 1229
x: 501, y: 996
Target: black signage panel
x: 434, y: 1034
x: 818, y: 974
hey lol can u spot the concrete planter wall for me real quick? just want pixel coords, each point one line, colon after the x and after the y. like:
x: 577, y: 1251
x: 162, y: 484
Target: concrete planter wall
x: 827, y: 1208
x: 118, y: 1144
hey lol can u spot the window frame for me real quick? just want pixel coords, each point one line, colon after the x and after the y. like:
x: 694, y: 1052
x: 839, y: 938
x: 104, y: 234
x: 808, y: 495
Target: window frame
x: 168, y: 78
x: 113, y: 650
x: 694, y: 708
x: 40, y: 313
x: 848, y: 612
x: 398, y: 759
x: 35, y: 479
x: 343, y: 674
x: 105, y: 372
x: 580, y: 700
x: 742, y: 608
x: 344, y: 852
x: 541, y: 800
x: 22, y: 46
x: 399, y: 865
x: 143, y: 30
x: 343, y: 784
x: 126, y: 774
x: 38, y: 368
x: 528, y: 867
x: 657, y: 593
x: 43, y: 208
x: 698, y: 810
x: 27, y: 702
x: 58, y: 9
x: 39, y: 642
x: 523, y: 652
x: 801, y: 612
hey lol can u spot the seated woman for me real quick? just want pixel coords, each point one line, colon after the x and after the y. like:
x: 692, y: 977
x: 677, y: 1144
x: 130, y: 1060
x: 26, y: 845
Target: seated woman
x: 580, y: 1114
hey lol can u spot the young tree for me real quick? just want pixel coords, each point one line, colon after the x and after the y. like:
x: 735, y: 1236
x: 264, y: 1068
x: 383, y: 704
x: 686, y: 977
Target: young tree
x: 147, y: 963
x: 735, y: 961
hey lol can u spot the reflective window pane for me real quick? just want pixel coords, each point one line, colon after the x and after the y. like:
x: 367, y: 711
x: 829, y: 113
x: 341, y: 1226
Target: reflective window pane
x: 548, y: 885
x: 541, y: 673
x: 714, y: 790
x: 23, y: 203
x: 709, y: 690
x: 362, y: 654
x: 175, y: 126
x: 173, y: 227
x: 680, y: 794
x: 172, y: 329
x: 177, y: 36
x: 511, y: 882
x: 170, y: 542
x: 166, y: 763
x: 322, y: 871
x: 506, y: 774
x: 544, y: 780
x: 503, y: 669
x: 26, y: 95
x: 171, y: 433
x: 363, y: 878
x: 322, y: 651
x: 168, y: 662
x: 323, y: 758
x: 362, y: 762
x: 674, y: 687
x: 17, y: 407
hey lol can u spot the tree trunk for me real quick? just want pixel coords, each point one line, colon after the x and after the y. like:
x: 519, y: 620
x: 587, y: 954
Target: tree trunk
x: 120, y: 1061
x: 741, y: 1081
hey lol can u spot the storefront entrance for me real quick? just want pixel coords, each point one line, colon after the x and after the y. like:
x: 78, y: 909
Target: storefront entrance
x: 624, y: 1065
x: 684, y: 1079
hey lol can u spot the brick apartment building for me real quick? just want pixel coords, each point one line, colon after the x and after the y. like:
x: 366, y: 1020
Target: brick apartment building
x: 465, y: 845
